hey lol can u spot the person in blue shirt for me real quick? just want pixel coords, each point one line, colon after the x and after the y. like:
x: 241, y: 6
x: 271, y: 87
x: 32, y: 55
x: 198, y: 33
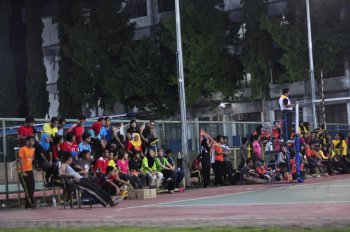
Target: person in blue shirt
x: 85, y: 144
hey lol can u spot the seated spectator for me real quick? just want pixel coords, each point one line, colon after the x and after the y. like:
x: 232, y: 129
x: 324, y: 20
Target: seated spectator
x: 276, y: 131
x: 124, y: 171
x: 102, y: 163
x: 55, y: 148
x: 261, y: 170
x: 70, y: 145
x: 111, y: 159
x: 132, y: 129
x: 99, y: 129
x: 282, y: 158
x: 26, y: 130
x: 85, y: 144
x: 179, y: 170
x: 66, y: 171
x: 135, y: 165
x: 51, y: 128
x: 149, y: 167
x: 43, y: 156
x: 109, y: 129
x: 167, y: 169
x: 248, y: 176
x: 196, y: 168
x: 326, y: 159
x: 85, y: 163
x: 60, y: 126
x: 148, y: 135
x: 78, y: 128
x: 111, y: 182
x: 135, y: 145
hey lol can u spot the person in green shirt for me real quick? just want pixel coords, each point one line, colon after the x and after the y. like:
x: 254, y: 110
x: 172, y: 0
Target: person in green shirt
x: 149, y: 168
x: 166, y: 169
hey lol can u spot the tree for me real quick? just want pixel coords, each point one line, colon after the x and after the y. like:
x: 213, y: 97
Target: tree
x: 69, y: 107
x: 329, y: 35
x: 145, y: 79
x: 38, y: 97
x: 257, y: 51
x: 209, y: 67
x: 9, y: 100
x: 100, y: 33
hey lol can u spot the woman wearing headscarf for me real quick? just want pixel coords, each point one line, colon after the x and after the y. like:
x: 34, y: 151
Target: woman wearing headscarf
x: 149, y: 168
x: 43, y: 156
x: 205, y: 157
x: 135, y: 144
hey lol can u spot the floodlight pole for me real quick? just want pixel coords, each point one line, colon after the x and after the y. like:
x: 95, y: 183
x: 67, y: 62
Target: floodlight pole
x: 182, y: 95
x: 311, y: 60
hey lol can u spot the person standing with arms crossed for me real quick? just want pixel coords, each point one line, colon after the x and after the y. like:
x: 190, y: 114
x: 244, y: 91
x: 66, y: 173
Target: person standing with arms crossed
x: 287, y: 113
x: 25, y: 171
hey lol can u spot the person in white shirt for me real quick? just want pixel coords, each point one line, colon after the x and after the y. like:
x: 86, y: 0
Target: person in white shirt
x: 287, y: 113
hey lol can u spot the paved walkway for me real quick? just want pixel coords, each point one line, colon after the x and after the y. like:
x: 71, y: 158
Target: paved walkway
x: 320, y: 202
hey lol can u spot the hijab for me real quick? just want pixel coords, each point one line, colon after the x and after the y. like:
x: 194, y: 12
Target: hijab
x: 45, y: 145
x: 150, y: 160
x: 135, y: 143
x: 204, y: 145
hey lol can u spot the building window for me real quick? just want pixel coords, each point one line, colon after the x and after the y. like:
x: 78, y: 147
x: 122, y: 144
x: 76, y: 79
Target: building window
x: 137, y: 8
x: 166, y: 5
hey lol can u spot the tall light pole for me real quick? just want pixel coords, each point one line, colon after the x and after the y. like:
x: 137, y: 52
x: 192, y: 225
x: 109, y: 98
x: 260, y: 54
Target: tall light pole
x: 311, y: 61
x: 182, y: 95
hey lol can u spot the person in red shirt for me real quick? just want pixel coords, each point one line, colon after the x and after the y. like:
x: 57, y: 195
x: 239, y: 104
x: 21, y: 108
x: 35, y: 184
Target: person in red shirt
x: 70, y: 145
x: 102, y: 163
x: 78, y: 128
x: 96, y: 126
x: 26, y: 130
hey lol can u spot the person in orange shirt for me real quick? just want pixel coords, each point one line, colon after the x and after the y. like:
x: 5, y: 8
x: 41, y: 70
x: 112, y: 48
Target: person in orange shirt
x: 219, y: 161
x: 25, y: 170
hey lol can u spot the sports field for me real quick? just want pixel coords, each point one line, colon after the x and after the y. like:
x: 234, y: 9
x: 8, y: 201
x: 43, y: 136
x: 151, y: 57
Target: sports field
x: 319, y: 203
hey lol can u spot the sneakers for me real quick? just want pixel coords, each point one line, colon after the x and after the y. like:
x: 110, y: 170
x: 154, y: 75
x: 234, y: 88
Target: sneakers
x: 117, y: 200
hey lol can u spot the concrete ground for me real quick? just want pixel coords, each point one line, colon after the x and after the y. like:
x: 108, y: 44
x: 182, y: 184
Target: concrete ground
x: 319, y: 202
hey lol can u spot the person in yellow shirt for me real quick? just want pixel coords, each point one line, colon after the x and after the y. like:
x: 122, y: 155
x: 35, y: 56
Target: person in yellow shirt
x: 51, y: 128
x: 25, y: 171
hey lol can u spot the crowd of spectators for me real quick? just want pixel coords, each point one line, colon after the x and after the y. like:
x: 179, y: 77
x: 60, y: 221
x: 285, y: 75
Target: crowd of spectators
x: 99, y: 157
x: 102, y: 159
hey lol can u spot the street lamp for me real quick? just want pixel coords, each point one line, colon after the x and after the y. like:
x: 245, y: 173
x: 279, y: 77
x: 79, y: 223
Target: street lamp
x: 182, y: 95
x: 311, y: 61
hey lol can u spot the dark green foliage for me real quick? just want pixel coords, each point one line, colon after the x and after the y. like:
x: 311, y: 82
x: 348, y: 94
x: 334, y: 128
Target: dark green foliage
x: 38, y: 98
x: 329, y: 34
x: 257, y: 49
x: 209, y: 67
x: 146, y: 79
x: 96, y: 42
x: 9, y: 101
x: 70, y: 103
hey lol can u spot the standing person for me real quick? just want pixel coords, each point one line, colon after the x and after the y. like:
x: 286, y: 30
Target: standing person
x: 287, y: 113
x: 205, y: 154
x: 26, y: 130
x: 78, y: 128
x: 244, y: 152
x: 60, y: 127
x: 51, y: 128
x: 256, y: 149
x: 219, y: 161
x: 25, y: 170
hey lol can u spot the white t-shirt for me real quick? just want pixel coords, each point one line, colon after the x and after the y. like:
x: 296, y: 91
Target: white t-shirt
x: 282, y: 105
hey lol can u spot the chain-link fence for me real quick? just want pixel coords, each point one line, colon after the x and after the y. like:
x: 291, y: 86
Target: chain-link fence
x: 168, y: 132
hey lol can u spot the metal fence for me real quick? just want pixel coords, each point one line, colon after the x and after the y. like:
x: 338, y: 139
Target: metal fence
x: 168, y: 132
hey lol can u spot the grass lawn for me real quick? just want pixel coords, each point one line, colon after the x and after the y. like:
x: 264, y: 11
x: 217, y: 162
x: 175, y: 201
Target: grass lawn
x: 199, y: 229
